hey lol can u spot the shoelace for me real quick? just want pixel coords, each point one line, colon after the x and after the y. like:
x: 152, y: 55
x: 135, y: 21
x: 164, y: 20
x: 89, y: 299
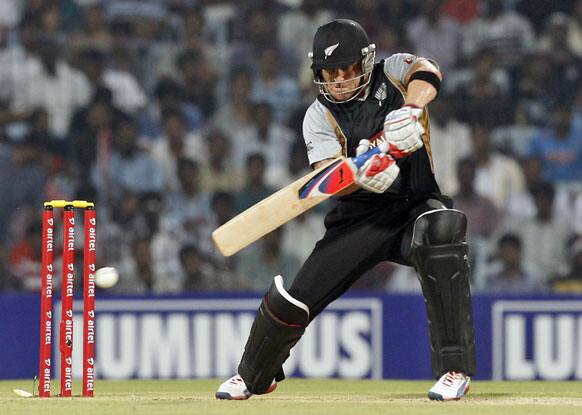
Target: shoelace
x: 236, y: 381
x: 450, y: 378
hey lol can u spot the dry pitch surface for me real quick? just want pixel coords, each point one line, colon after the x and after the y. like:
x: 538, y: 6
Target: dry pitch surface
x: 334, y: 397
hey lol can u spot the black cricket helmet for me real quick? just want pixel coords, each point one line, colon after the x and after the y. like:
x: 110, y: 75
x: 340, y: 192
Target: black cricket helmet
x: 339, y: 44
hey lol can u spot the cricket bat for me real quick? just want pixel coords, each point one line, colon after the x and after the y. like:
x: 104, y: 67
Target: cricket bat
x: 288, y: 203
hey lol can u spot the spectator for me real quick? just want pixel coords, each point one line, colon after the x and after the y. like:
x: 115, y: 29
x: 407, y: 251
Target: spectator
x: 255, y: 188
x: 200, y: 274
x: 463, y: 11
x: 198, y: 80
x: 188, y: 208
x: 544, y: 237
x: 296, y: 29
x: 511, y: 274
x: 435, y: 35
x: 267, y: 137
x: 389, y: 41
x: 168, y: 95
x: 129, y: 167
x: 521, y: 204
x: 533, y: 90
x: 223, y: 208
x: 94, y: 32
x: 301, y: 234
x: 55, y: 86
x: 537, y: 11
x: 23, y: 175
x: 10, y: 11
x: 136, y: 273
x: 281, y: 92
x: 450, y: 141
x: 507, y: 33
x: 175, y: 143
x: 51, y: 20
x: 89, y: 137
x: 559, y: 147
x: 236, y: 115
x: 297, y: 167
x: 127, y: 93
x: 260, y: 262
x: 376, y: 14
x: 482, y: 217
x: 25, y: 259
x: 18, y: 63
x: 480, y: 88
x: 219, y: 172
x: 482, y: 214
x: 566, y: 73
x: 256, y: 30
x: 494, y: 167
x: 575, y: 29
x: 118, y: 228
x: 164, y: 55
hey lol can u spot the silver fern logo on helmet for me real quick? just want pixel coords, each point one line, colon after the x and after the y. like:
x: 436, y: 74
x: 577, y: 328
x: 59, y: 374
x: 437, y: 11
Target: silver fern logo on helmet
x: 329, y: 50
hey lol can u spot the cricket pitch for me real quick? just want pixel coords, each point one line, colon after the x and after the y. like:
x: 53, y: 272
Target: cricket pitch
x: 298, y: 396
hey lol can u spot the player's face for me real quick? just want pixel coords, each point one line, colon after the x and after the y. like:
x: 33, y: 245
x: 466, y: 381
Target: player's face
x: 344, y: 81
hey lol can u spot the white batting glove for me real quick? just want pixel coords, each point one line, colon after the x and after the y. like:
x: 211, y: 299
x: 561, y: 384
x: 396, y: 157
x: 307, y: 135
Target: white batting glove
x: 379, y: 172
x: 403, y: 131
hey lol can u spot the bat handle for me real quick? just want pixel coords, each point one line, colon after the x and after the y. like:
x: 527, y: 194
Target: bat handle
x: 361, y: 159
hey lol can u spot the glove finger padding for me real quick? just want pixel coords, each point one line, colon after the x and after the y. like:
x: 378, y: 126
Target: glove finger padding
x: 403, y: 131
x: 378, y: 173
x: 406, y: 141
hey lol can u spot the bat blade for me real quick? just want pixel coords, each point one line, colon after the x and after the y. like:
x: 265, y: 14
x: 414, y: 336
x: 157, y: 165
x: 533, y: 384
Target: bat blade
x: 287, y: 203
x: 282, y: 206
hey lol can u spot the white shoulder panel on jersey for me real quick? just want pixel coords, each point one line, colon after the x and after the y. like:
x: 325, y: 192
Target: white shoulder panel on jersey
x: 399, y: 64
x: 320, y: 139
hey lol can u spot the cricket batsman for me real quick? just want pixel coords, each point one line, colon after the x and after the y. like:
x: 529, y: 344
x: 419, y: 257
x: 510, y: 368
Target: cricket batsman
x: 393, y: 212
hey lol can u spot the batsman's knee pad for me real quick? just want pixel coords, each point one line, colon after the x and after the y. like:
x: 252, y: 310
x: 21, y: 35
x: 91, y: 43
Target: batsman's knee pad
x: 440, y: 255
x: 439, y: 227
x: 280, y: 322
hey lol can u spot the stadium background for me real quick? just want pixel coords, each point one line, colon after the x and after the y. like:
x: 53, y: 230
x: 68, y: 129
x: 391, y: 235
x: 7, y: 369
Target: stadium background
x: 175, y: 115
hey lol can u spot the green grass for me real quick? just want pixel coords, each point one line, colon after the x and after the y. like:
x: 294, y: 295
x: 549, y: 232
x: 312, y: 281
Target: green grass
x: 335, y: 397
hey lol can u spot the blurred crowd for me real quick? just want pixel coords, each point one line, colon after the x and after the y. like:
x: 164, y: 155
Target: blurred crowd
x: 175, y: 115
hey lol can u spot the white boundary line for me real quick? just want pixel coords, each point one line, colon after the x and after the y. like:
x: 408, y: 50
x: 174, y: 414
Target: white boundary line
x: 502, y: 306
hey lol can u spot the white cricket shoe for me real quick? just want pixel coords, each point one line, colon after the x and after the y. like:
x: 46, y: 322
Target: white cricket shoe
x: 235, y: 389
x: 451, y: 386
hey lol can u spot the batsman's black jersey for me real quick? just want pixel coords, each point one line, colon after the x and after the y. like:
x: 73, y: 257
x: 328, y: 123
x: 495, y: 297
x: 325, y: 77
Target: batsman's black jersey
x: 332, y: 129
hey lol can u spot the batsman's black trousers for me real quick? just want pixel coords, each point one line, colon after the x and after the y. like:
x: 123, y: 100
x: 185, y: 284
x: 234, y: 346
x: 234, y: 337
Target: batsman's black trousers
x: 358, y: 237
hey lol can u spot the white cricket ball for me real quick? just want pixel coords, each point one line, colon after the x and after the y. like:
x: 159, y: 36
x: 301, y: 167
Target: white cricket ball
x: 106, y: 277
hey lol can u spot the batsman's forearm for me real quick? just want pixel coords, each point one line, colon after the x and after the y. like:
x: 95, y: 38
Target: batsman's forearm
x: 420, y: 93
